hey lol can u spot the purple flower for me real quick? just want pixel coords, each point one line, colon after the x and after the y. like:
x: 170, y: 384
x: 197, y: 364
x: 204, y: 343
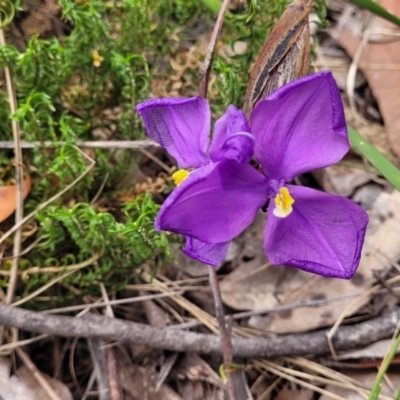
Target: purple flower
x: 298, y: 128
x: 182, y: 127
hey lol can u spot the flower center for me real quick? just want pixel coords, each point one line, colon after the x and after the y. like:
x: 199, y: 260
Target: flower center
x: 283, y: 203
x: 179, y: 176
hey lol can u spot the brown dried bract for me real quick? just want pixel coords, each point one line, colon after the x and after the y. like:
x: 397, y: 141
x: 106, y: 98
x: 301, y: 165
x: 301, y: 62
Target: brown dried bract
x: 285, y: 55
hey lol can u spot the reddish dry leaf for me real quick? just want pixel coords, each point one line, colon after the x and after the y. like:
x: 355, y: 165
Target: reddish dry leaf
x: 8, y: 198
x: 379, y: 63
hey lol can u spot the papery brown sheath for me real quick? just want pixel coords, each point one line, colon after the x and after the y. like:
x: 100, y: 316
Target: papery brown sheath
x: 285, y: 55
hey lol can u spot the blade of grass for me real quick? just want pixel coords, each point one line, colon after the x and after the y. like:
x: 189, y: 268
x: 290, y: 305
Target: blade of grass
x: 375, y: 157
x: 378, y: 10
x: 382, y: 370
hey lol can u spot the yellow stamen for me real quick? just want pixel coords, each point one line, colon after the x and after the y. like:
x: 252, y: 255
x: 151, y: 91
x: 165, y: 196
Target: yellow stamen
x: 97, y: 58
x: 179, y: 176
x: 283, y: 203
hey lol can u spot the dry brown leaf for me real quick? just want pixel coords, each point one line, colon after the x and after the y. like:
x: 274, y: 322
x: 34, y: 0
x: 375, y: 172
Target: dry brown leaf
x: 139, y: 382
x: 8, y: 198
x: 380, y: 63
x: 251, y: 285
x: 382, y: 243
x: 255, y: 284
x: 289, y: 394
x: 343, y: 180
x: 11, y: 387
x: 258, y: 286
x: 25, y: 376
x: 338, y: 62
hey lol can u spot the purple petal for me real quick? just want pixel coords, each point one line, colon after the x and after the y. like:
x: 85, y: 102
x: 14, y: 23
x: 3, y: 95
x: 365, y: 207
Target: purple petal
x: 324, y: 234
x: 181, y: 126
x: 210, y: 254
x: 215, y: 203
x: 232, y: 139
x: 300, y: 127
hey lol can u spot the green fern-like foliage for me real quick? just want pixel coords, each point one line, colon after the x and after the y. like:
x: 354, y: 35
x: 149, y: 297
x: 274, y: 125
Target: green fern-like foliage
x: 72, y: 235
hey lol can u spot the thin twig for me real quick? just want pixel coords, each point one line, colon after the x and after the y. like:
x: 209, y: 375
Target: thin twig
x: 95, y: 326
x: 219, y: 313
x: 205, y: 72
x: 19, y: 177
x: 226, y: 343
x: 97, y: 144
x: 101, y: 304
x: 164, y: 166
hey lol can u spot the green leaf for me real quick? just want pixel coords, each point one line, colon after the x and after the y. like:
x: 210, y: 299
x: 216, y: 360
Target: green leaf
x: 378, y: 10
x: 375, y: 157
x: 213, y: 5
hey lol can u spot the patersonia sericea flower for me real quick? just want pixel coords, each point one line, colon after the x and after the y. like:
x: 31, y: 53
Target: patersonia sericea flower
x: 182, y: 127
x: 298, y: 128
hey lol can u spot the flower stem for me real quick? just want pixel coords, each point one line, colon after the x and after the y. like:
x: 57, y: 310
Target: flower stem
x: 226, y: 343
x: 205, y: 71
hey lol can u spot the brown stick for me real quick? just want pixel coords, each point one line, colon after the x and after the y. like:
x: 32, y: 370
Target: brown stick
x: 95, y: 326
x: 205, y: 72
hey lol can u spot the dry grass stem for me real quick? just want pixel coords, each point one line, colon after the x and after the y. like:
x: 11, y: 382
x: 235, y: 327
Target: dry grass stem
x: 100, y: 303
x: 95, y: 144
x: 43, y: 288
x: 19, y: 175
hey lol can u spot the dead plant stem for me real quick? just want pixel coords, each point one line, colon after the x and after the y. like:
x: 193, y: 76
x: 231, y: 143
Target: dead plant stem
x: 226, y: 343
x: 205, y: 72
